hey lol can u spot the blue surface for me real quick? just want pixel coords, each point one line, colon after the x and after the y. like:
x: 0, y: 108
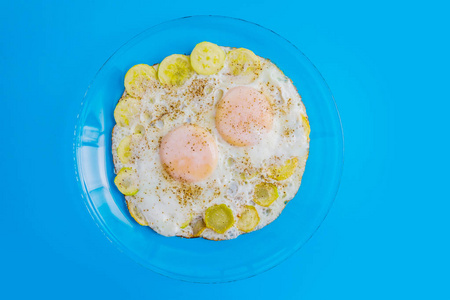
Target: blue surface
x: 387, y: 235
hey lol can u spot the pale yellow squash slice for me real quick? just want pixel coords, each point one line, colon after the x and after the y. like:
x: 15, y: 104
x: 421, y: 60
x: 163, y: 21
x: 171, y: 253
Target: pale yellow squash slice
x: 248, y: 219
x: 265, y: 193
x: 124, y: 150
x: 137, y: 78
x: 175, y: 70
x: 219, y: 218
x: 207, y: 58
x: 126, y: 110
x: 136, y: 214
x: 188, y: 221
x: 198, y: 226
x: 243, y: 62
x: 284, y: 171
x: 126, y: 181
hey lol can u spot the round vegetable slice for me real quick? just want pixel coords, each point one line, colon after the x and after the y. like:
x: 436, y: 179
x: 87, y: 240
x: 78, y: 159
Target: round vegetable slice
x: 198, y: 226
x: 175, y: 69
x: 207, y: 58
x: 265, y: 194
x: 136, y: 214
x: 247, y: 175
x: 306, y: 126
x: 126, y: 181
x: 285, y: 171
x: 248, y: 220
x: 242, y: 61
x: 139, y: 130
x: 126, y: 109
x: 124, y: 150
x: 136, y: 78
x: 219, y: 218
x: 185, y: 224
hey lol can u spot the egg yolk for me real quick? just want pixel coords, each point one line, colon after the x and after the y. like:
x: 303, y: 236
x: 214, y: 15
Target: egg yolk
x: 189, y: 153
x: 243, y: 116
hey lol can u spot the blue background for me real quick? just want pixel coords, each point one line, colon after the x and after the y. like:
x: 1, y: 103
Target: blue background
x: 387, y: 235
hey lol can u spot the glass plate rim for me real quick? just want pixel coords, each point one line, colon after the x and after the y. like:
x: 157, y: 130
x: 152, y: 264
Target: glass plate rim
x: 101, y: 224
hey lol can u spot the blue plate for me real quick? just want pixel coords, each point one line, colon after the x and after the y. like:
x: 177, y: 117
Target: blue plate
x: 201, y: 260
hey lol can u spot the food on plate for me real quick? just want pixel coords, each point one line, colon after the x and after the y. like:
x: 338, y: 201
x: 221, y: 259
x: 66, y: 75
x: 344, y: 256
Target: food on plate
x: 244, y: 116
x: 248, y: 219
x: 212, y: 144
x: 243, y: 62
x: 265, y: 193
x: 136, y: 213
x: 136, y: 79
x: 175, y: 70
x: 124, y: 150
x: 285, y: 170
x: 125, y: 110
x: 219, y: 218
x: 207, y: 58
x: 126, y: 181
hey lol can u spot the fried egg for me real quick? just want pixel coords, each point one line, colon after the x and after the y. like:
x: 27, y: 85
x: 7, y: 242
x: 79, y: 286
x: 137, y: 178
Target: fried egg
x: 209, y: 145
